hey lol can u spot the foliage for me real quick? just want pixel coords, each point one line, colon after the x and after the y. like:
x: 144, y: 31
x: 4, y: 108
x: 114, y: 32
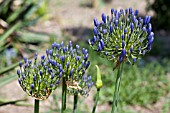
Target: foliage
x: 142, y: 84
x: 161, y: 9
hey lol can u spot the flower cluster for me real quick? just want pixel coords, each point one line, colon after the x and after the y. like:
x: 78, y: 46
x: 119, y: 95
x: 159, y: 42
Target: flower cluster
x: 123, y: 36
x: 37, y: 78
x: 71, y: 63
x: 42, y: 77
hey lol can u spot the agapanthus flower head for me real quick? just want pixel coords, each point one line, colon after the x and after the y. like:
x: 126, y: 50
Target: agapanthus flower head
x: 72, y: 63
x: 122, y: 36
x: 35, y: 78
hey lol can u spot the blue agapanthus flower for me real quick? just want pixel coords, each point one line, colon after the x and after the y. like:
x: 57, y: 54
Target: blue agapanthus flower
x: 122, y: 36
x: 37, y: 78
x: 72, y: 63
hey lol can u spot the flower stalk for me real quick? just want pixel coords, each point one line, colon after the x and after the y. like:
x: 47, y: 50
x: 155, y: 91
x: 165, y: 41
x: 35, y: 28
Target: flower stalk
x: 117, y: 89
x: 64, y: 92
x: 75, y: 103
x: 36, y: 106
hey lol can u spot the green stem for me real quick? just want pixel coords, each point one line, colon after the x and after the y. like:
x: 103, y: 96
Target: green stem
x: 64, y: 89
x: 36, y: 106
x: 117, y: 87
x: 75, y: 103
x: 96, y: 100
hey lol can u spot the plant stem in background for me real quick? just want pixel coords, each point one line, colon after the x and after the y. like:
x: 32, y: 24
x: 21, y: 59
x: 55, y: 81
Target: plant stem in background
x: 117, y: 87
x: 96, y: 100
x: 36, y: 106
x: 64, y: 88
x: 75, y: 103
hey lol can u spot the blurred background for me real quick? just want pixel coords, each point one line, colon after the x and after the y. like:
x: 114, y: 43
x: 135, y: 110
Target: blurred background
x: 29, y: 26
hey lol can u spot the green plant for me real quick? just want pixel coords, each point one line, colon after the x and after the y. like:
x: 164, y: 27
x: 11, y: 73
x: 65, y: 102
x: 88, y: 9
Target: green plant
x: 122, y: 37
x: 161, y: 10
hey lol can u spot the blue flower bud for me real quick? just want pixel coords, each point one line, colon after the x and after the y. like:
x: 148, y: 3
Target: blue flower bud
x: 60, y: 75
x: 68, y: 64
x: 77, y: 58
x: 34, y: 78
x: 62, y: 58
x: 71, y: 72
x: 103, y: 17
x: 32, y: 86
x: 96, y: 22
x: 131, y: 49
x: 145, y: 20
x: 149, y: 28
x: 117, y: 47
x: 112, y: 11
x: 148, y: 19
x: 30, y: 92
x: 60, y: 69
x: 123, y: 43
x: 53, y: 46
x: 151, y: 41
x: 86, y: 56
x: 115, y: 12
x: 77, y: 46
x: 120, y: 27
x: 54, y: 62
x: 130, y: 10
x: 64, y: 50
x: 134, y: 60
x: 117, y: 16
x: 150, y: 35
x: 49, y: 70
x: 125, y: 31
x: 102, y: 43
x: 136, y: 13
x: 43, y: 57
x: 19, y: 80
x: 111, y: 29
x: 20, y: 64
x: 89, y: 78
x: 122, y: 36
x: 51, y: 85
x: 95, y: 31
x: 120, y: 58
x: 58, y: 46
x: 18, y: 72
x: 131, y: 26
x: 116, y: 23
x: 121, y: 11
x: 52, y: 75
x: 87, y: 65
x: 144, y: 28
x: 62, y: 44
x: 25, y: 59
x: 104, y: 31
x: 51, y: 52
x: 70, y: 43
x: 47, y: 51
x: 123, y: 52
x: 41, y: 72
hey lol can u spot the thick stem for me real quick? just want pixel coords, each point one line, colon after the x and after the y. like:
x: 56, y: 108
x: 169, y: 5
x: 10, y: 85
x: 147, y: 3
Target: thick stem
x: 64, y: 89
x: 36, y: 106
x: 117, y: 87
x: 75, y: 103
x: 96, y: 101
